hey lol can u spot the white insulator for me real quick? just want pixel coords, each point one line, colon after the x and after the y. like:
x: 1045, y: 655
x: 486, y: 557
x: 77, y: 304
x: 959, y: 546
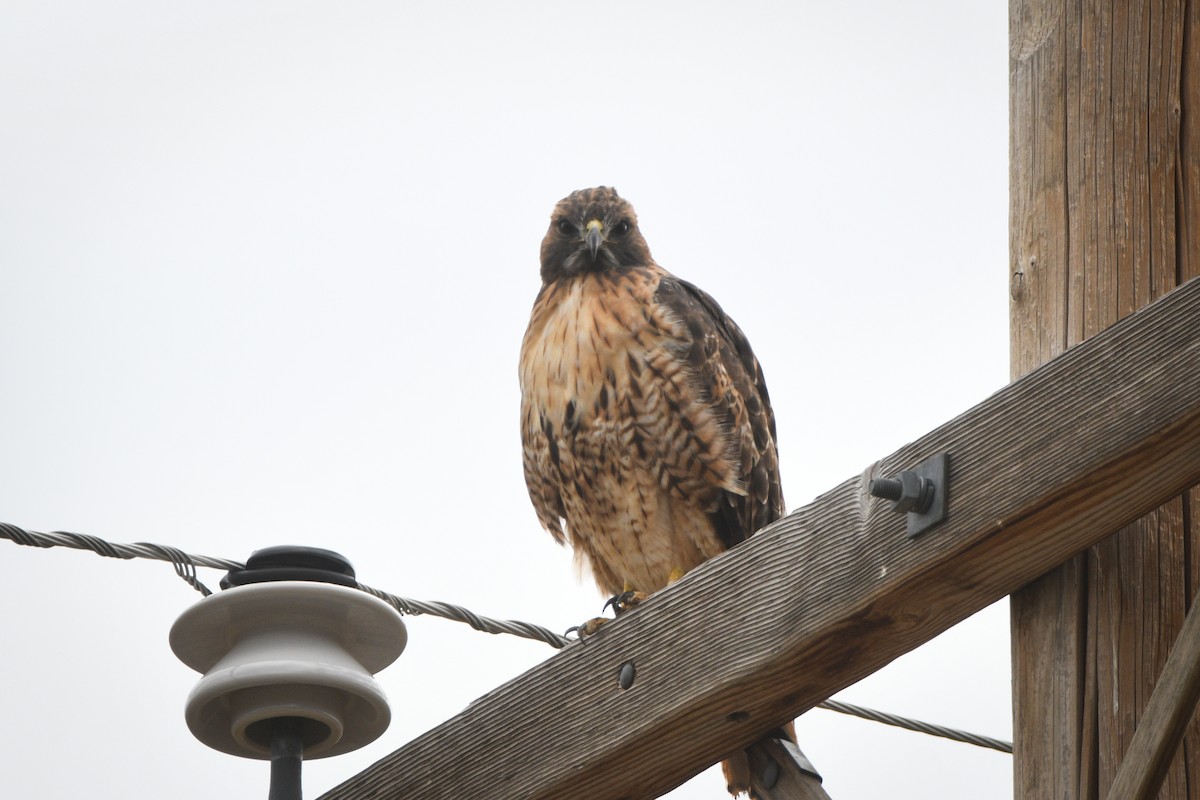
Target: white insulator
x: 296, y: 649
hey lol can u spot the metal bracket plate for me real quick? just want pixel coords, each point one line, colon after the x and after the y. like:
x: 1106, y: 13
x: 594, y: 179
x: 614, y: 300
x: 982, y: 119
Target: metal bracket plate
x: 937, y: 470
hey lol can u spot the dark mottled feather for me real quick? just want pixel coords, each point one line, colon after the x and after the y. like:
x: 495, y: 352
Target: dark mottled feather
x: 720, y: 355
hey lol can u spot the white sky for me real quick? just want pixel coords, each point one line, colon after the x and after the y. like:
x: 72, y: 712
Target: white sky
x: 265, y: 268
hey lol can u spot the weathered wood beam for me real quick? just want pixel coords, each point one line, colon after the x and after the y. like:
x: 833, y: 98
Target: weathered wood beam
x: 1042, y: 469
x: 1166, y: 717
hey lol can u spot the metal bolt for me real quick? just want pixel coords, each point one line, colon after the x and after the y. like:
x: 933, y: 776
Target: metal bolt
x: 626, y: 675
x: 886, y: 488
x: 909, y: 490
x: 770, y: 774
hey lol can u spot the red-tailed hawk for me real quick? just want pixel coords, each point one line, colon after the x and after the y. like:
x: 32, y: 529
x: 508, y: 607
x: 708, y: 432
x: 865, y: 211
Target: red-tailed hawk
x: 649, y: 439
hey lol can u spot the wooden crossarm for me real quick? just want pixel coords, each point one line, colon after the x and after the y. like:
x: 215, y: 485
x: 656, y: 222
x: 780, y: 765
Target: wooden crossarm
x: 1042, y: 469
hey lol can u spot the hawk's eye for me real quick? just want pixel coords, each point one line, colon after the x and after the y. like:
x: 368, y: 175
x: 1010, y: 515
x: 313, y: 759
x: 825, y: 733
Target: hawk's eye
x: 623, y: 227
x: 565, y: 227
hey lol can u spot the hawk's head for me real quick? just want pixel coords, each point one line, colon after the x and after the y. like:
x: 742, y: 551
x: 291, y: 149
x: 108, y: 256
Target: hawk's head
x: 592, y: 230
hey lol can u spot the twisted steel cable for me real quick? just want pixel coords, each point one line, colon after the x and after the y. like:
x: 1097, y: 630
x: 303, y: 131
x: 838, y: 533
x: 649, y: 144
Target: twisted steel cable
x: 917, y: 725
x: 459, y: 614
x: 185, y: 567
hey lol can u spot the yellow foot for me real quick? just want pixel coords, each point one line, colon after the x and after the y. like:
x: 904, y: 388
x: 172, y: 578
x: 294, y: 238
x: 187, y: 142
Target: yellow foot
x: 588, y: 628
x: 620, y: 604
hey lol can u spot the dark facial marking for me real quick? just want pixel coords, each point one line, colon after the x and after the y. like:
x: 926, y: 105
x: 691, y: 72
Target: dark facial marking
x: 565, y: 248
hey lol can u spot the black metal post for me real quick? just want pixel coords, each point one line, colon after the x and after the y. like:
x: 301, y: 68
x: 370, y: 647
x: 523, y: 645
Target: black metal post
x: 287, y: 753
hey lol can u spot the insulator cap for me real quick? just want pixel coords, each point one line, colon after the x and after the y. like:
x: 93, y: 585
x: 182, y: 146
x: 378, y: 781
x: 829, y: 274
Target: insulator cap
x: 298, y: 649
x: 292, y: 563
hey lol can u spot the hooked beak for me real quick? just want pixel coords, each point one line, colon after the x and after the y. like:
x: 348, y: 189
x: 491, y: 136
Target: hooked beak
x: 594, y: 237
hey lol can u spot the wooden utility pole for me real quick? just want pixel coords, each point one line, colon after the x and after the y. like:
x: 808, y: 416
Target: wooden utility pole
x: 1105, y: 217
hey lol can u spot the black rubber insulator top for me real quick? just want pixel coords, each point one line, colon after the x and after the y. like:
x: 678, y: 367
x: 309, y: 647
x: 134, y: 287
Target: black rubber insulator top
x: 292, y: 563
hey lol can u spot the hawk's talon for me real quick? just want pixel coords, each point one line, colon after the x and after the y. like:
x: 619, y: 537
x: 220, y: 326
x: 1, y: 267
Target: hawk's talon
x: 582, y: 632
x: 624, y: 601
x: 620, y: 603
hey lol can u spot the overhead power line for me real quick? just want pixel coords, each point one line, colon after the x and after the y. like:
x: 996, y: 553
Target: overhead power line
x: 185, y: 567
x: 186, y: 563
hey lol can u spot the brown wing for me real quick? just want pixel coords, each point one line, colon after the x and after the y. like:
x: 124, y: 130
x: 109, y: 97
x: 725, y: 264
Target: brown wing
x: 539, y: 451
x: 541, y: 464
x: 728, y: 375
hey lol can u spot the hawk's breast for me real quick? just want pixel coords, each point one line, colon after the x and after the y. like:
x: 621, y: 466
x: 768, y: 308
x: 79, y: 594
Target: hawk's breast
x: 619, y: 440
x: 584, y: 341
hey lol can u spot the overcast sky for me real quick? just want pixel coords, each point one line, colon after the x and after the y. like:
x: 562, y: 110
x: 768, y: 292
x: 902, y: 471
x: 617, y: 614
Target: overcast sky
x: 265, y: 268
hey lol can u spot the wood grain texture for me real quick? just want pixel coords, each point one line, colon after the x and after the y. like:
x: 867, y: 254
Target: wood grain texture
x: 1037, y: 184
x: 1049, y: 722
x: 1100, y: 119
x: 1187, y: 158
x: 827, y: 595
x: 1166, y: 717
